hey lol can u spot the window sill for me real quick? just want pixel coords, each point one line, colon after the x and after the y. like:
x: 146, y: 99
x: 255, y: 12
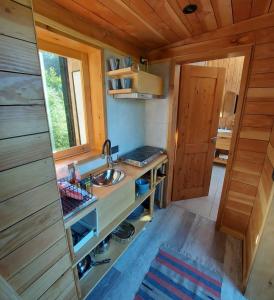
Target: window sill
x: 61, y: 165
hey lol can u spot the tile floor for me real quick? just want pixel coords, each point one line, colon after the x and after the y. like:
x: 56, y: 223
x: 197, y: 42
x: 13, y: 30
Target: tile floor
x: 207, y: 206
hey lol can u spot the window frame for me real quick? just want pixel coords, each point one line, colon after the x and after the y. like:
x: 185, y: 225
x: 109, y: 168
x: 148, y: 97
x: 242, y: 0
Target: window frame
x: 93, y: 91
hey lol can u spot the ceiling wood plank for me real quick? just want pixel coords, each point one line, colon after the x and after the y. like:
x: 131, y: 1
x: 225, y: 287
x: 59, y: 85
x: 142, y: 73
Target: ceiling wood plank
x: 81, y: 11
x: 271, y: 6
x: 223, y: 12
x: 192, y: 19
x: 206, y: 14
x: 241, y: 10
x: 260, y: 7
x: 56, y: 13
x: 136, y: 24
x: 103, y: 12
x: 141, y: 7
x: 165, y: 11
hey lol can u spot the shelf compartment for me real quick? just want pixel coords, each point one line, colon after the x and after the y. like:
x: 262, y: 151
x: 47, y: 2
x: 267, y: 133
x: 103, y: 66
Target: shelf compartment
x: 86, y: 249
x: 120, y: 91
x: 220, y: 161
x: 159, y: 179
x: 89, y: 281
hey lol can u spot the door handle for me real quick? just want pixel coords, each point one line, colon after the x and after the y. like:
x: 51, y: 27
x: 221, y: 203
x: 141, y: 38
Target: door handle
x: 213, y: 140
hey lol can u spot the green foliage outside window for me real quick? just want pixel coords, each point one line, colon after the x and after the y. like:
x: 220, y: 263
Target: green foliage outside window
x: 55, y: 102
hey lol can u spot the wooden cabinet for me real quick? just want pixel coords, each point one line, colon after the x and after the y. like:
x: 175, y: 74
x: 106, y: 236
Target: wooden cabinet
x: 142, y: 82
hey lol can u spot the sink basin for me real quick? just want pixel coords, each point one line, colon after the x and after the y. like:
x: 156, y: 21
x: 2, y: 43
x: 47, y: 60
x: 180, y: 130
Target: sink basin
x: 108, y: 177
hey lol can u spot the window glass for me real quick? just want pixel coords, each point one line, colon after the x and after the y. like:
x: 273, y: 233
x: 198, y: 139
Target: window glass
x: 63, y: 86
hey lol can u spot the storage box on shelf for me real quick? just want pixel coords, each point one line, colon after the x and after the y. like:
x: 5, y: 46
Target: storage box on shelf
x: 142, y: 82
x: 222, y: 147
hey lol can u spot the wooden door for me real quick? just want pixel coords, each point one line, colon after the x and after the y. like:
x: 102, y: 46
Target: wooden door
x: 201, y: 90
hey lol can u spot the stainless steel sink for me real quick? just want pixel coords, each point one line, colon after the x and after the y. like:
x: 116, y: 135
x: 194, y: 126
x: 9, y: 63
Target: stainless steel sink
x: 108, y: 177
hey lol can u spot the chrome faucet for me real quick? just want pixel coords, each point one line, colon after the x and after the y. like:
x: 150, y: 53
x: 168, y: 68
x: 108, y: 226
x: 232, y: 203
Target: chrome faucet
x: 106, y: 153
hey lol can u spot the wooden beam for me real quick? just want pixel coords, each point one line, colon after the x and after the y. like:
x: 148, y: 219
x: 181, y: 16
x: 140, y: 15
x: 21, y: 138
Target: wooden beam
x: 53, y: 15
x: 232, y: 31
x: 189, y: 52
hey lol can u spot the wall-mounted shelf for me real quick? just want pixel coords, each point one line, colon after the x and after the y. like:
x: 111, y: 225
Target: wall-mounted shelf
x: 142, y: 82
x: 120, y: 91
x: 122, y: 72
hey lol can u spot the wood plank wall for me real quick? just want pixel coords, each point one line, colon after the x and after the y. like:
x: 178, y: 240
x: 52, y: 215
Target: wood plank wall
x: 34, y: 255
x: 258, y: 243
x: 253, y: 138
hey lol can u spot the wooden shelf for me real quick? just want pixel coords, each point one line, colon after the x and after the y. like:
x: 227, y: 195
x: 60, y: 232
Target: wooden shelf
x: 159, y: 179
x: 120, y: 91
x: 220, y: 161
x: 93, y: 277
x: 86, y: 249
x: 122, y: 72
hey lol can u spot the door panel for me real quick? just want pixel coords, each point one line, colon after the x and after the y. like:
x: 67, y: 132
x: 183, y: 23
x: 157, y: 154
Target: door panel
x: 201, y: 90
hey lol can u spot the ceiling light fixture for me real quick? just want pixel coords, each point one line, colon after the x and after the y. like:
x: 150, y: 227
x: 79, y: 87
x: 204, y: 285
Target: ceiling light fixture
x: 190, y: 9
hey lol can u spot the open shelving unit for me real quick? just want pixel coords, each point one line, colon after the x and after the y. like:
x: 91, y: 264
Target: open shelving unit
x: 95, y: 274
x: 86, y: 249
x: 142, y: 82
x: 91, y: 279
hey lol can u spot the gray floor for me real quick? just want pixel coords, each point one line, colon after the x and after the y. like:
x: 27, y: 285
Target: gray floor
x: 188, y: 233
x: 208, y: 206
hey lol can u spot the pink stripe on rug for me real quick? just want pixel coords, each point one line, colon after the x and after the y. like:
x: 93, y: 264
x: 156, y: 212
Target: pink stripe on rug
x: 168, y: 286
x: 182, y: 263
x: 190, y: 278
x: 137, y: 297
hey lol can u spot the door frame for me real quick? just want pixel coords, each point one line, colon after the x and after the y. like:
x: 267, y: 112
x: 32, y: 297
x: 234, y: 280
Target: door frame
x: 174, y: 86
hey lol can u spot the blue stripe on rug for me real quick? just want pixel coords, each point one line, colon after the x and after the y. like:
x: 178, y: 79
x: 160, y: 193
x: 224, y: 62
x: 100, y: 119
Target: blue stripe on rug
x: 162, y: 288
x: 191, y: 273
x: 182, y: 288
x: 141, y: 293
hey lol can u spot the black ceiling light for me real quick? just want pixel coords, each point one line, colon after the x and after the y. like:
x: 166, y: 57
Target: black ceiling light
x: 190, y: 9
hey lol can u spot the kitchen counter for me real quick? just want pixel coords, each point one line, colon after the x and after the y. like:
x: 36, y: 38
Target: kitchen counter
x: 101, y: 193
x: 114, y: 204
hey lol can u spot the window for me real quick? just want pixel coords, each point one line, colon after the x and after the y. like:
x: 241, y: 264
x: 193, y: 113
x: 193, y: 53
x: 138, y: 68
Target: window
x: 64, y: 100
x: 72, y: 80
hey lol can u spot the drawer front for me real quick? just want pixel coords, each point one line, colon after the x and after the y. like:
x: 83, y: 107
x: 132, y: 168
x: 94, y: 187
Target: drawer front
x: 223, y: 143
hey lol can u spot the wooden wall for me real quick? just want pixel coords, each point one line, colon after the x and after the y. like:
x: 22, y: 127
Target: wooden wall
x: 258, y: 243
x: 34, y: 255
x: 253, y: 138
x: 248, y: 173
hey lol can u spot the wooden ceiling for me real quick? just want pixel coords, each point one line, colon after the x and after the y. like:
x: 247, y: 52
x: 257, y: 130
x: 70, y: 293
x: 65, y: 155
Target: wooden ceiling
x: 150, y: 24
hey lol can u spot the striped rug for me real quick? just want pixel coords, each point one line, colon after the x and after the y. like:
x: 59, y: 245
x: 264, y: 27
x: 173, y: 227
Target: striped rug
x: 176, y: 276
